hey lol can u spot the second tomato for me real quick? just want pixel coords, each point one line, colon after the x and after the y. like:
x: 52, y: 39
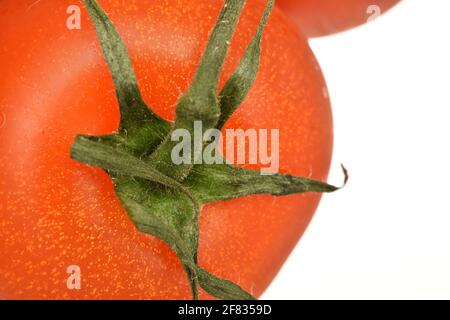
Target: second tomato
x: 323, y: 17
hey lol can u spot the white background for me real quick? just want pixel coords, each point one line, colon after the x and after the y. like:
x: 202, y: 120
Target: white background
x: 387, y: 234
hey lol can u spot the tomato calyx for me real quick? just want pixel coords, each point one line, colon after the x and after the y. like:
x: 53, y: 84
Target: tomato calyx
x: 164, y: 199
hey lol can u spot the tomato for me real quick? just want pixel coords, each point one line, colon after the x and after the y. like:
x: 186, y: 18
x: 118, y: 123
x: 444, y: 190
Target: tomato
x: 324, y: 17
x: 56, y: 212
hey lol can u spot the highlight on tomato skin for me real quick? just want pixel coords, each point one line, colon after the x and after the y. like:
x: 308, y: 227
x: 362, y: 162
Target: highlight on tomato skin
x: 59, y: 216
x: 325, y: 17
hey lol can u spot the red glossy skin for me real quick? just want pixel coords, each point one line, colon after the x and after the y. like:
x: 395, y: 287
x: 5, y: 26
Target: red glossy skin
x: 56, y: 212
x: 323, y: 17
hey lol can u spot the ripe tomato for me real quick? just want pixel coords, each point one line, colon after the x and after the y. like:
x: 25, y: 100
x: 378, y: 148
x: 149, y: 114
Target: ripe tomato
x: 56, y: 212
x: 323, y: 17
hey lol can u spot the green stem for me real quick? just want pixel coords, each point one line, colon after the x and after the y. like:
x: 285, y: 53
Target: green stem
x: 108, y: 158
x: 200, y: 102
x: 134, y: 113
x: 241, y: 81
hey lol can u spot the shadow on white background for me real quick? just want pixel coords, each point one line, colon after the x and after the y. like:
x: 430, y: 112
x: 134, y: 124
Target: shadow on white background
x: 387, y: 234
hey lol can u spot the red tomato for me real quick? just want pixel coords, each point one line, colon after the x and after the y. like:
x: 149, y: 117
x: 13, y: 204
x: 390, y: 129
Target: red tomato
x: 323, y: 17
x: 56, y: 212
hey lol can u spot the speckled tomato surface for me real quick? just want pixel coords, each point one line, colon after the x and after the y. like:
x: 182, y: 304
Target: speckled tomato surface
x: 323, y: 17
x: 56, y: 212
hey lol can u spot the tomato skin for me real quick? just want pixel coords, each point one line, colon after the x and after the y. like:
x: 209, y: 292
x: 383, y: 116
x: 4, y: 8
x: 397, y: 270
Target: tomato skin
x: 56, y: 212
x: 323, y: 17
